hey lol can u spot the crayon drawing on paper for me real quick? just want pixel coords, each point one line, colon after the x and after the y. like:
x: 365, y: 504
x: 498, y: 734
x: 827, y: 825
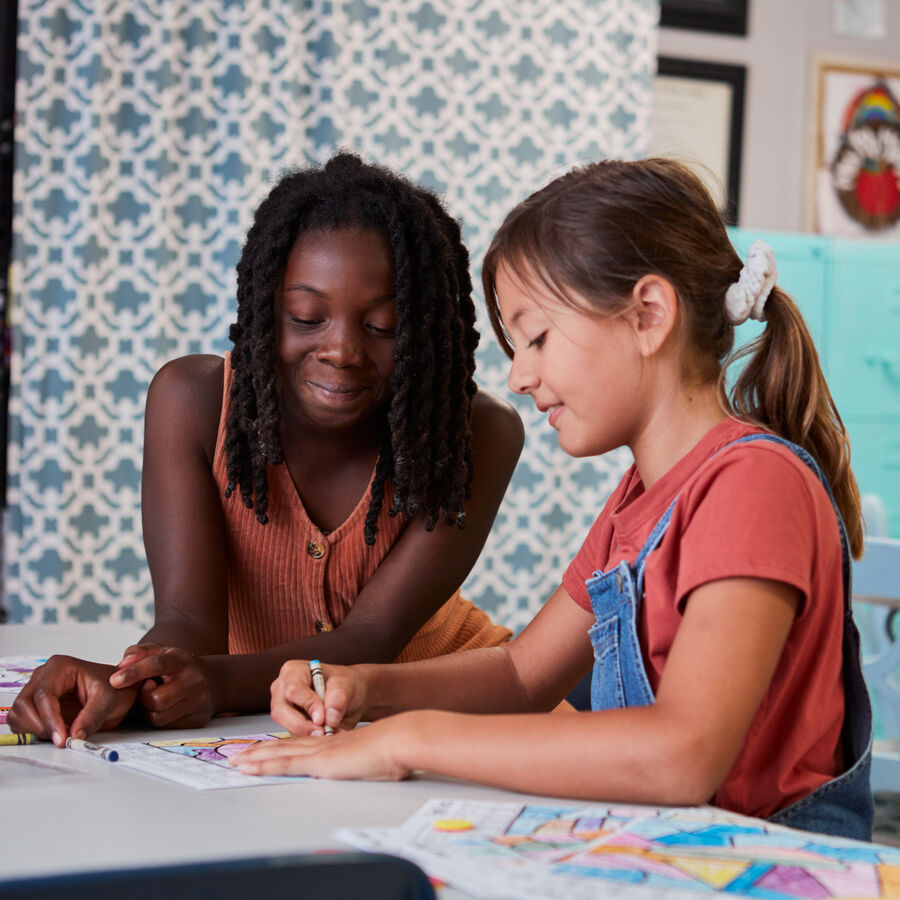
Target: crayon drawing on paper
x: 16, y: 670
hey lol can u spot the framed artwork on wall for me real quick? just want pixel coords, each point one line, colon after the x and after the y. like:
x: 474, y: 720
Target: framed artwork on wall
x: 724, y: 16
x: 698, y: 117
x: 854, y: 167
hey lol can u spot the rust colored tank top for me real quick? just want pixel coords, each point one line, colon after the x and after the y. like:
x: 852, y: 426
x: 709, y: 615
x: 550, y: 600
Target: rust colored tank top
x: 287, y: 579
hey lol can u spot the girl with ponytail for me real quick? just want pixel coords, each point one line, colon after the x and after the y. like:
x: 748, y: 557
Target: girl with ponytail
x: 710, y: 599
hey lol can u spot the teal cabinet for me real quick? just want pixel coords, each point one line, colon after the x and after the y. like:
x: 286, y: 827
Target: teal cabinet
x: 849, y: 294
x: 864, y: 345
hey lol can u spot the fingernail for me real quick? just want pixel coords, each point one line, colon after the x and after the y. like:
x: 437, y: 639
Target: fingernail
x: 57, y: 739
x: 317, y: 732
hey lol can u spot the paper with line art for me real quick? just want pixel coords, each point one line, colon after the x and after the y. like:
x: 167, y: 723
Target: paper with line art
x: 577, y: 852
x: 16, y: 670
x: 200, y: 763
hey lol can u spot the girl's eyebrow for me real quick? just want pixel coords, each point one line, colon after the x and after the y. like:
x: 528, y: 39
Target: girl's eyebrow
x: 309, y: 289
x: 519, y: 313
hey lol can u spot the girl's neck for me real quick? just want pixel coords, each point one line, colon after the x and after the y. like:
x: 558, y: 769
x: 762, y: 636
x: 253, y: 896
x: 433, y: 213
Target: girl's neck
x: 360, y: 441
x: 675, y: 425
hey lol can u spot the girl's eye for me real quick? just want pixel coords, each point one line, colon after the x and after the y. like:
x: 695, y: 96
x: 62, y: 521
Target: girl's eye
x: 305, y: 323
x: 382, y: 332
x: 538, y: 341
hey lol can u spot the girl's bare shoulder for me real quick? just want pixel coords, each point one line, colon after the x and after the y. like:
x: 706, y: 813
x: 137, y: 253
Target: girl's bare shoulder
x: 186, y: 394
x: 497, y: 420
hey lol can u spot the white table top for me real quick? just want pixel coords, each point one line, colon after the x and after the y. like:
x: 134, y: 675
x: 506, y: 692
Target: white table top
x: 109, y: 817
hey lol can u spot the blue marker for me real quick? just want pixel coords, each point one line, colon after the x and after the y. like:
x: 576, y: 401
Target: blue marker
x: 106, y: 753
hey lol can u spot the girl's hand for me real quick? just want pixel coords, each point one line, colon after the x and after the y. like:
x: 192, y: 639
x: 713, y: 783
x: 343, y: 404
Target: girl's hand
x: 68, y: 696
x: 297, y: 707
x: 176, y: 687
x: 370, y: 753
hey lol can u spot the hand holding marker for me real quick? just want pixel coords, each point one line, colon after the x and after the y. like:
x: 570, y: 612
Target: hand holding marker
x: 318, y: 680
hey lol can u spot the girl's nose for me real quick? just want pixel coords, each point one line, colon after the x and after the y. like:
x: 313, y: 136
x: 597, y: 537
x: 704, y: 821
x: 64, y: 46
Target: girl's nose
x: 521, y: 379
x: 342, y: 345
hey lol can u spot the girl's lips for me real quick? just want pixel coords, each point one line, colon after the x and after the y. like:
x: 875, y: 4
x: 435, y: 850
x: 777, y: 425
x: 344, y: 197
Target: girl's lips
x: 337, y: 393
x: 555, y: 412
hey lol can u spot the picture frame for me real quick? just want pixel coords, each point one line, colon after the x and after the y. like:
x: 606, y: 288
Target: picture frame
x: 698, y: 117
x: 846, y: 103
x: 722, y: 16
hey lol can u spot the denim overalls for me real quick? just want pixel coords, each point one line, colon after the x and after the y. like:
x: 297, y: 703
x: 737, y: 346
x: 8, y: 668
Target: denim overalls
x: 842, y: 806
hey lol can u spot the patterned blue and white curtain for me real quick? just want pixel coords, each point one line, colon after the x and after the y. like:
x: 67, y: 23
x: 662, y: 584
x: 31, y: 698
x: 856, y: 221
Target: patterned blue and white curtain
x: 147, y: 133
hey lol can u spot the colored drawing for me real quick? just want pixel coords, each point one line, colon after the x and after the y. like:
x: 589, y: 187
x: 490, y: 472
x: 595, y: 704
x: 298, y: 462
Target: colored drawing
x: 3, y: 711
x: 452, y: 825
x: 641, y: 852
x: 16, y: 670
x: 215, y: 750
x: 200, y: 763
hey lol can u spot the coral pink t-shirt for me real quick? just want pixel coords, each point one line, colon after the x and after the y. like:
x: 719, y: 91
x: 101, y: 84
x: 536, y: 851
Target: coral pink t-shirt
x: 755, y: 510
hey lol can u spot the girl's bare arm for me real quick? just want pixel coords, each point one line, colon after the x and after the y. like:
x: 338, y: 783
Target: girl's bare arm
x: 677, y: 751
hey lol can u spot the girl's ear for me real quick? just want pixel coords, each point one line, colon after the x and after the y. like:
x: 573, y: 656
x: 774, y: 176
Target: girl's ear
x: 654, y: 311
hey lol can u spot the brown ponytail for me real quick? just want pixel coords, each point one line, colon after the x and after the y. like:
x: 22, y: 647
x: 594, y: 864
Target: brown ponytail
x: 595, y: 231
x: 782, y: 387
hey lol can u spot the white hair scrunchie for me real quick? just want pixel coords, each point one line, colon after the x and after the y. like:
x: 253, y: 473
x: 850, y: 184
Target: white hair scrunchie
x: 746, y: 298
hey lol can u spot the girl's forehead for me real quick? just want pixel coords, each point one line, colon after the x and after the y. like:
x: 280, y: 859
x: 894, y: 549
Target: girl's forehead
x: 349, y: 237
x: 522, y: 290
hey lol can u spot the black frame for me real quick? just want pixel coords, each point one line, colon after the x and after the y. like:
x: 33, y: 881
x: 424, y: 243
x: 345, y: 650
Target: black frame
x: 9, y: 14
x: 723, y: 16
x: 735, y: 77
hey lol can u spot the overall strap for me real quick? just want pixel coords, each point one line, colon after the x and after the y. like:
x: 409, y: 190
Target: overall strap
x: 652, y: 542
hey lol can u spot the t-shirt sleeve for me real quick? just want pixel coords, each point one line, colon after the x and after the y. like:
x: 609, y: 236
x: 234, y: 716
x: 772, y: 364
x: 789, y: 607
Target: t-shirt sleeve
x: 758, y: 513
x: 595, y: 549
x: 583, y: 566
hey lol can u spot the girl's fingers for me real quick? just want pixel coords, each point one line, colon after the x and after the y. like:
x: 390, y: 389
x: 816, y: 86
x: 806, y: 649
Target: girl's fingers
x: 262, y: 750
x: 181, y: 709
x: 103, y: 707
x: 299, y: 709
x: 289, y: 756
x: 365, y: 754
x: 136, y: 652
x: 336, y: 702
x: 91, y: 718
x: 55, y: 683
x: 49, y: 711
x: 296, y: 721
x: 168, y: 661
x: 158, y: 698
x: 296, y: 706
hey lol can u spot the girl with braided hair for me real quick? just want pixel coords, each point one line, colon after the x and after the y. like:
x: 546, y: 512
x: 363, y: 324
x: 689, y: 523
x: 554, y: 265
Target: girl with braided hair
x: 711, y: 598
x: 326, y: 487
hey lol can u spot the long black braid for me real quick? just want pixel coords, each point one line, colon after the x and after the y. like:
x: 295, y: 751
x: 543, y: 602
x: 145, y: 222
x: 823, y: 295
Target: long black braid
x: 426, y: 436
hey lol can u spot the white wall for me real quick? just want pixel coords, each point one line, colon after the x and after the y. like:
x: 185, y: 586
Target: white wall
x: 782, y: 38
